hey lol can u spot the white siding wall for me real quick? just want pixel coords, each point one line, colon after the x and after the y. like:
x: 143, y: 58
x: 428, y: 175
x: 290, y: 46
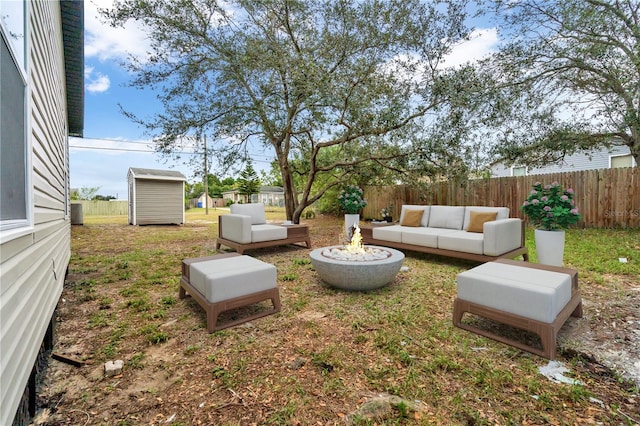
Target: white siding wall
x: 595, y: 159
x: 33, y: 266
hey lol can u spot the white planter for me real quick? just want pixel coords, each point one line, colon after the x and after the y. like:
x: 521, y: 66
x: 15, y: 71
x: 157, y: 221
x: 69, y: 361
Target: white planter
x: 550, y: 247
x: 349, y: 221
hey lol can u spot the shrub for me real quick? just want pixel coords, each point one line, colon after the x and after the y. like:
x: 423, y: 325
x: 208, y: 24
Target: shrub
x: 550, y: 207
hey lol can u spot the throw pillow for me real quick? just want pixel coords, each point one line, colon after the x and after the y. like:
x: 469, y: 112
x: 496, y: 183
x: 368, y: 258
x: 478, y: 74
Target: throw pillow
x: 412, y: 218
x: 477, y: 220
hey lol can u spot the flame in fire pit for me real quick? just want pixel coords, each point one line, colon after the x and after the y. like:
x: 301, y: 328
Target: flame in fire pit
x: 355, y: 245
x: 355, y: 250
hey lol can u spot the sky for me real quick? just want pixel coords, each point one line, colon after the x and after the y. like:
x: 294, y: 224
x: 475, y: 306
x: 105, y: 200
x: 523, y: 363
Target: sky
x: 112, y: 143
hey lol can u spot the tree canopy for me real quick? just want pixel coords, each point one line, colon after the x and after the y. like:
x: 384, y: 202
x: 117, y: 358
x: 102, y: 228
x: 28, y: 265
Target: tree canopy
x: 361, y: 79
x: 248, y: 183
x: 569, y: 77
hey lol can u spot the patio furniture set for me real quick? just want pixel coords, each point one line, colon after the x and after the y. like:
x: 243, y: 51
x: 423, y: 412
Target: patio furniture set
x: 532, y: 297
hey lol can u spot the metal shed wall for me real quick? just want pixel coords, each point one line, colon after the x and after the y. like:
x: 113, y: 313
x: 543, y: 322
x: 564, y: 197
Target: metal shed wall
x: 157, y: 202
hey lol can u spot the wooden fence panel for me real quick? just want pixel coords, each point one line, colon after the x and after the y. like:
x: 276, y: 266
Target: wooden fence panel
x: 103, y: 208
x: 606, y: 198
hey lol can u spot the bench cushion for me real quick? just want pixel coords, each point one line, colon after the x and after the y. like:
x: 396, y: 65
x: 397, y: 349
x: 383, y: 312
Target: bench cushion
x: 426, y: 237
x: 267, y: 233
x: 228, y: 278
x: 468, y: 242
x: 531, y: 293
x: 388, y: 233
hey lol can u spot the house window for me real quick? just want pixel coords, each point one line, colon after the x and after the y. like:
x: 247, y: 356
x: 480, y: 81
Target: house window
x: 14, y: 210
x: 518, y: 171
x: 621, y: 161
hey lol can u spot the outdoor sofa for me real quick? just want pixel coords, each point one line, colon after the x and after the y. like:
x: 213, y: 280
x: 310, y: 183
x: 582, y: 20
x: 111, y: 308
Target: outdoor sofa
x: 475, y: 233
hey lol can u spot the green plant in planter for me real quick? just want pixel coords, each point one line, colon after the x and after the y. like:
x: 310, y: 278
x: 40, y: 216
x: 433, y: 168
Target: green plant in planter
x: 550, y: 207
x: 351, y: 200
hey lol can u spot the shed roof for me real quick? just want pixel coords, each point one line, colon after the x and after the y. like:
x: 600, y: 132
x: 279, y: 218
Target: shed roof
x: 139, y: 173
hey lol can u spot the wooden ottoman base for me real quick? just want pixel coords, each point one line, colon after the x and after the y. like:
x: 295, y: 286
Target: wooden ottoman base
x: 548, y: 332
x: 213, y: 310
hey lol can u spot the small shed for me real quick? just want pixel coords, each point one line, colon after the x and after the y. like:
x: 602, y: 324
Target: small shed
x: 156, y: 197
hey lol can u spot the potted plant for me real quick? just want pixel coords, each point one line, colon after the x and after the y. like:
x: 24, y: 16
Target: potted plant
x: 387, y: 213
x: 351, y: 201
x: 551, y: 209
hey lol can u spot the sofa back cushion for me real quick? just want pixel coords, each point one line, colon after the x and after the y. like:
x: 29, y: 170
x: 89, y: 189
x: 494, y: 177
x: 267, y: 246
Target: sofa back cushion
x: 425, y: 213
x: 449, y: 217
x: 502, y: 213
x: 255, y: 210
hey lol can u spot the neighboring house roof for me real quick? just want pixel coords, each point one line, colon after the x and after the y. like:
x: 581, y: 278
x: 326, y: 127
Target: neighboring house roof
x: 263, y: 190
x: 156, y: 174
x: 72, y: 13
x: 277, y: 189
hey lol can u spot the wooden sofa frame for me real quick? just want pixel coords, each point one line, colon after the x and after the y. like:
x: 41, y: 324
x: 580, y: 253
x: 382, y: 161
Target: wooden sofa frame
x: 295, y: 234
x: 367, y: 238
x: 547, y: 332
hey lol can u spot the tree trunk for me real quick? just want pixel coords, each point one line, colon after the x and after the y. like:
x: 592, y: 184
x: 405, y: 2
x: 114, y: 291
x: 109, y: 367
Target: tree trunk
x: 290, y: 199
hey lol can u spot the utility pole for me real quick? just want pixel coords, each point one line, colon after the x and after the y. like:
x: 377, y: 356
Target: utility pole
x: 206, y: 178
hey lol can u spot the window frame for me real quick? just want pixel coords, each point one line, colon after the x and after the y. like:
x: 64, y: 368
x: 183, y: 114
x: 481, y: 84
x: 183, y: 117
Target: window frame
x: 526, y: 170
x: 611, y: 157
x: 15, y: 228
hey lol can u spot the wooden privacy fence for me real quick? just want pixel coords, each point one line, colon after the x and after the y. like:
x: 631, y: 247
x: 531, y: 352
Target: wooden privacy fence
x: 606, y: 198
x: 103, y: 208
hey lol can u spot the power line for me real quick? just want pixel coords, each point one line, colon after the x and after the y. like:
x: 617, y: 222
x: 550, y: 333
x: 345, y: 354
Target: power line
x: 151, y: 151
x: 154, y: 152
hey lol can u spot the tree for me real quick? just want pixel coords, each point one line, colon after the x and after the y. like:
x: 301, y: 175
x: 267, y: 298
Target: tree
x: 363, y: 79
x: 273, y: 177
x: 248, y: 183
x: 570, y: 77
x: 103, y: 197
x: 85, y: 193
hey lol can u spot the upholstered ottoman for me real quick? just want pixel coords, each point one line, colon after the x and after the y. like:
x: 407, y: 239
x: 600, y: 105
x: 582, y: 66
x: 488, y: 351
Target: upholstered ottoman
x: 229, y: 281
x: 533, y: 297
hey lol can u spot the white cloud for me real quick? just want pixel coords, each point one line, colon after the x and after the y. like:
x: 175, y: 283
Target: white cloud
x: 97, y: 82
x: 107, y: 43
x: 481, y: 43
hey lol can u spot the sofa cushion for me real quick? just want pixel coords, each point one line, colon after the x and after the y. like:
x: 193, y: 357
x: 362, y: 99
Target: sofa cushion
x: 503, y: 213
x: 412, y: 217
x: 425, y: 210
x: 388, y: 233
x: 531, y: 293
x: 426, y: 237
x: 267, y: 233
x: 468, y: 242
x: 255, y: 210
x: 477, y: 220
x: 450, y: 217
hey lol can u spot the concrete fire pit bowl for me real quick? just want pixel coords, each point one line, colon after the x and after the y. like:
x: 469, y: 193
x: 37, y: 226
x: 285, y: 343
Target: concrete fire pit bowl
x: 357, y: 275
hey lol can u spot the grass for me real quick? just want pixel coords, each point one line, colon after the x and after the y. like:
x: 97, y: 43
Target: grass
x: 121, y: 303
